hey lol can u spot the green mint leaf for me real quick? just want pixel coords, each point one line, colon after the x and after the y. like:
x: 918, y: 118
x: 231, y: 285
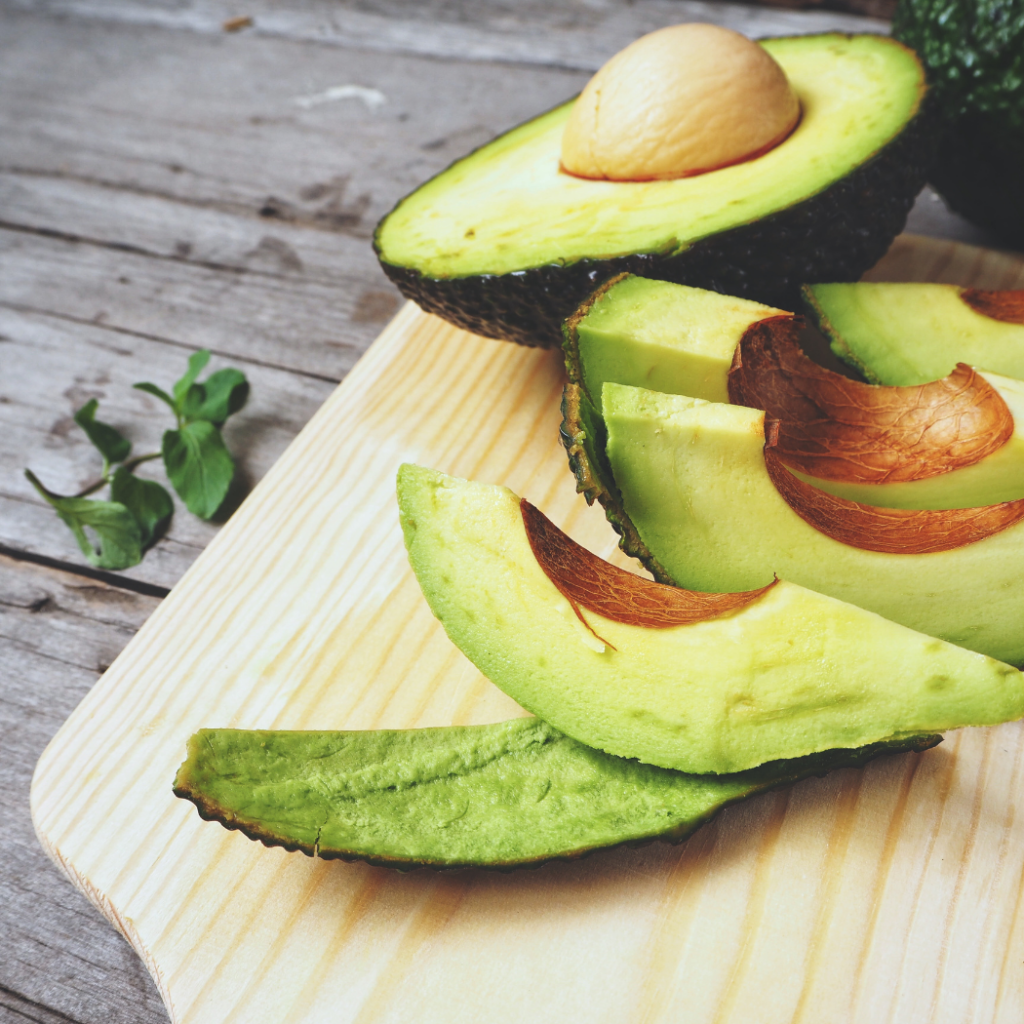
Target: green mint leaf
x: 199, y: 466
x: 120, y: 544
x: 221, y: 395
x: 147, y: 500
x: 152, y: 389
x: 196, y: 362
x: 111, y: 444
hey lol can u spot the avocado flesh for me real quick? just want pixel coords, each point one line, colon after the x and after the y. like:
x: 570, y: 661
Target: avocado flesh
x: 660, y: 336
x: 680, y: 340
x: 513, y: 794
x: 789, y: 674
x: 692, y: 479
x: 505, y: 244
x: 912, y: 333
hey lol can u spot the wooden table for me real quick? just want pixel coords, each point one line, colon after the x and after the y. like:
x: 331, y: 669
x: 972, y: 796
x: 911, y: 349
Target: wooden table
x: 168, y: 185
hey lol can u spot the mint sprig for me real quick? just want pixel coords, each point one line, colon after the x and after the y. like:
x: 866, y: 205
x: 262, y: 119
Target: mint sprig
x: 197, y: 461
x: 115, y: 534
x: 116, y: 529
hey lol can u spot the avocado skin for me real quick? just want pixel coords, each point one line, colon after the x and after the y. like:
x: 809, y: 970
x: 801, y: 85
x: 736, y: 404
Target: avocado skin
x: 344, y: 795
x: 835, y: 235
x: 584, y: 436
x: 973, y: 53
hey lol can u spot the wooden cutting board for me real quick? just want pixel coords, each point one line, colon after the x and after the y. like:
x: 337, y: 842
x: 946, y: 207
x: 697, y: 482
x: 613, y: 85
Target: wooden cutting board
x: 892, y: 894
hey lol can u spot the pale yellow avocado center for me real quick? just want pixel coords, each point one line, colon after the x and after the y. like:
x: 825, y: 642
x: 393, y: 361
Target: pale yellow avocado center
x: 677, y: 102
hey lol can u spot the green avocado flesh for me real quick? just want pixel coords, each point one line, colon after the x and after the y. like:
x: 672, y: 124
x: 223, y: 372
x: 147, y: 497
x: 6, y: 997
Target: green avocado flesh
x: 680, y: 341
x: 508, y: 206
x: 912, y: 333
x: 789, y: 674
x: 489, y: 242
x: 660, y: 336
x: 513, y: 794
x: 693, y: 482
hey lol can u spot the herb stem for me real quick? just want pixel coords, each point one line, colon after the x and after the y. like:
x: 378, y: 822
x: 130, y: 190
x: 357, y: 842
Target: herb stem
x: 107, y: 477
x: 139, y: 460
x: 92, y: 488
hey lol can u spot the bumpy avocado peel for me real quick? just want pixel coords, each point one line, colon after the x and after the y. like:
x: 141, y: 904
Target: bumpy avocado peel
x: 514, y: 794
x: 973, y: 51
x: 835, y: 234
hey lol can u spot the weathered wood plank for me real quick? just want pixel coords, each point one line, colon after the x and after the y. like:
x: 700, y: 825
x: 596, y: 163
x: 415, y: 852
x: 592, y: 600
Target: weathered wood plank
x: 212, y: 119
x: 581, y: 36
x: 214, y: 236
x: 59, y: 959
x: 273, y: 320
x: 52, y: 367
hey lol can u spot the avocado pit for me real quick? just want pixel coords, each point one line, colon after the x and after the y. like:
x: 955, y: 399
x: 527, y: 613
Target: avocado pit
x: 676, y: 103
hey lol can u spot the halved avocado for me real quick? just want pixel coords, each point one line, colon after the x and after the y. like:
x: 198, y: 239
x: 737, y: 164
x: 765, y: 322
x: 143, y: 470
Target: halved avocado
x: 694, y: 482
x: 911, y: 333
x: 514, y: 794
x: 696, y: 682
x: 505, y: 244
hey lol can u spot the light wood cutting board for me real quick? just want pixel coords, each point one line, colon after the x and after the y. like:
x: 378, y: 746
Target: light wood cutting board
x: 892, y: 894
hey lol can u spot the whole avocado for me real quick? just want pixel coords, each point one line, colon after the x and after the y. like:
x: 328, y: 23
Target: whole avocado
x: 973, y: 51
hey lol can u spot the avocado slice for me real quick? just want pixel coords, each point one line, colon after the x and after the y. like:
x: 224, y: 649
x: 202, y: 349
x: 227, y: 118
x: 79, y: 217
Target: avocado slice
x: 514, y: 794
x: 504, y: 244
x: 693, y: 480
x: 974, y: 53
x: 911, y: 333
x: 682, y: 340
x: 658, y: 335
x: 703, y: 683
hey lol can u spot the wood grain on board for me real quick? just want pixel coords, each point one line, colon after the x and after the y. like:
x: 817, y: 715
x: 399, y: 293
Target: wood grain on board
x: 890, y: 894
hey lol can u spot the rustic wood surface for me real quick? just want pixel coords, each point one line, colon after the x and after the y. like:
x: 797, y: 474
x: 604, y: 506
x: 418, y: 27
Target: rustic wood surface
x: 166, y: 185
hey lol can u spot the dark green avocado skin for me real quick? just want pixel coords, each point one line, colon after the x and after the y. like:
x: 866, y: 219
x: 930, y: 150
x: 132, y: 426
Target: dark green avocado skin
x: 973, y: 52
x: 835, y: 235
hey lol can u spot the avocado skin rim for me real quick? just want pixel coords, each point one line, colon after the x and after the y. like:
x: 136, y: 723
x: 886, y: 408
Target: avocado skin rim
x: 835, y: 235
x: 583, y: 436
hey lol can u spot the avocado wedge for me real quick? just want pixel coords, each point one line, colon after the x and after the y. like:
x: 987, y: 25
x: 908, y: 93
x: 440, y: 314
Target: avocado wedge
x: 911, y: 333
x: 681, y: 340
x: 514, y: 794
x: 504, y: 244
x: 703, y: 683
x: 693, y: 480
